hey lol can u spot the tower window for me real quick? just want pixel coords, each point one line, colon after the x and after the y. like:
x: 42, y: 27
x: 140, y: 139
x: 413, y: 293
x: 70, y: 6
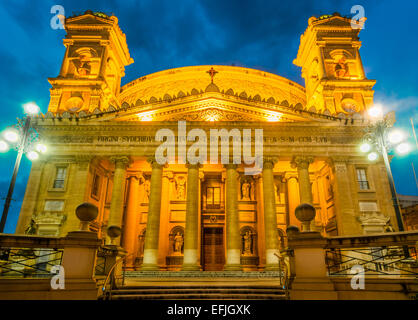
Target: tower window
x: 362, y: 181
x: 60, y: 175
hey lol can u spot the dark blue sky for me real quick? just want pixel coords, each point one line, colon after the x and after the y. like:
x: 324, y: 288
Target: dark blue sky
x: 167, y: 34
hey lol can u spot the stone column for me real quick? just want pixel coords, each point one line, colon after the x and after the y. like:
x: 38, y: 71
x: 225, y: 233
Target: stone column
x: 293, y: 198
x: 150, y: 261
x: 302, y: 164
x: 116, y: 205
x: 31, y: 196
x: 233, y: 239
x: 270, y: 218
x: 78, y: 175
x: 344, y: 206
x: 191, y: 250
x: 129, y: 230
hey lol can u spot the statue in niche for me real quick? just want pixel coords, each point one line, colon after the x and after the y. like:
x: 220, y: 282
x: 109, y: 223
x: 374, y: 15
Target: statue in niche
x: 248, y: 243
x: 279, y: 190
x: 147, y: 189
x: 329, y: 187
x: 178, y: 243
x: 141, y: 244
x: 341, y: 68
x: 32, y: 228
x: 82, y: 64
x: 252, y: 190
x: 245, y: 191
x: 180, y: 187
x: 389, y: 228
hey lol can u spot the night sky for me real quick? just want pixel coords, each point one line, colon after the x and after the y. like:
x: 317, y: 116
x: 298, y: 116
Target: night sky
x: 167, y: 34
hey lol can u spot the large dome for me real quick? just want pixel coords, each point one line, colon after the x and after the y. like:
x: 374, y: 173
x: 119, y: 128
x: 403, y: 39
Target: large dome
x: 251, y: 84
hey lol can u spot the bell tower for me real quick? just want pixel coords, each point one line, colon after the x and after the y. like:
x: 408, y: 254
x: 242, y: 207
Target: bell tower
x: 93, y: 65
x: 331, y: 66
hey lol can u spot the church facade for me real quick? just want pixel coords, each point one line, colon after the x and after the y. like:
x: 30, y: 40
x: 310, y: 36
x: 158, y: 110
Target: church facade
x: 209, y: 215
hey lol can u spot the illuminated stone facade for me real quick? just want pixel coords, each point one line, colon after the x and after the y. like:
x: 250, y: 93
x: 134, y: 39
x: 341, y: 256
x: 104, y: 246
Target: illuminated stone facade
x: 102, y: 145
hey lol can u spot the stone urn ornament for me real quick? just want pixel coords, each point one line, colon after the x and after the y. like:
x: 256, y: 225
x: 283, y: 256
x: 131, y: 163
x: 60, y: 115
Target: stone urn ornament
x: 86, y: 212
x: 305, y: 213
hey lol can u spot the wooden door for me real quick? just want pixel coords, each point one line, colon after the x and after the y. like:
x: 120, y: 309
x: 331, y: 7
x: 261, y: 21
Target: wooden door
x: 213, y: 249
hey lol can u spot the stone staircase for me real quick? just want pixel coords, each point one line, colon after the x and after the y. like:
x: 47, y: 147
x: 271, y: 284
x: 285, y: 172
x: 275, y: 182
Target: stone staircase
x: 182, y: 285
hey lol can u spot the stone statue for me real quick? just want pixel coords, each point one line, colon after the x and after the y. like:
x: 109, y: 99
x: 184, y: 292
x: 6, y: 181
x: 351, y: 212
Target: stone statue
x: 278, y: 188
x: 248, y: 243
x: 245, y: 191
x: 180, y: 187
x: 178, y: 243
x: 82, y: 65
x: 147, y: 190
x: 389, y: 228
x: 341, y: 68
x: 31, y: 229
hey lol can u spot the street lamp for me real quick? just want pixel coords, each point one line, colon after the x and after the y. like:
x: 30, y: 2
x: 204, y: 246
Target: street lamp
x: 21, y: 137
x: 381, y: 138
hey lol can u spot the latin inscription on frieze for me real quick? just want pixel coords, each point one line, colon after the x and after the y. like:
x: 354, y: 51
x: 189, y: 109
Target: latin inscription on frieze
x: 151, y: 139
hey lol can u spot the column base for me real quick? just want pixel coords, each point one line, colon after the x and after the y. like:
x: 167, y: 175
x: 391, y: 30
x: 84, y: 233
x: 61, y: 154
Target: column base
x: 232, y: 267
x: 190, y: 267
x: 150, y: 267
x: 271, y: 267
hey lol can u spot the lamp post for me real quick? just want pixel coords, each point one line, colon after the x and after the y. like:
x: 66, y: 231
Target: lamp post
x: 382, y: 138
x: 22, y: 137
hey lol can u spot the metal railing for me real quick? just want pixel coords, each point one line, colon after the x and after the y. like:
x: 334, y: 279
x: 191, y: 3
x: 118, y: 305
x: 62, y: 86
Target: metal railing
x: 23, y: 256
x: 284, y: 271
x: 389, y: 261
x: 102, y: 255
x: 391, y: 254
x: 29, y: 262
x: 110, y: 281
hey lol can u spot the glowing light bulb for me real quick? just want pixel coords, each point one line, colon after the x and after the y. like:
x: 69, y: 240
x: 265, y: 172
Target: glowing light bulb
x: 372, y: 156
x: 403, y: 148
x: 32, y: 155
x: 41, y: 148
x: 365, y: 147
x: 375, y: 111
x: 11, y: 135
x: 395, y: 136
x: 31, y: 108
x: 3, y: 146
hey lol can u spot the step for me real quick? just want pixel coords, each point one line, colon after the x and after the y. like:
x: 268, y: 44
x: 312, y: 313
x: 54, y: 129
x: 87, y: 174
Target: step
x: 195, y: 290
x: 203, y: 274
x: 208, y: 296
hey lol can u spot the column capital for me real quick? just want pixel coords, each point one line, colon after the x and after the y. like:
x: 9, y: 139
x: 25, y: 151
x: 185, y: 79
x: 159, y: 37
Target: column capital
x: 193, y: 165
x: 136, y: 175
x: 154, y: 163
x: 337, y: 159
x: 201, y: 175
x: 169, y: 175
x: 83, y: 157
x: 269, y: 162
x: 120, y: 161
x: 230, y: 166
x: 301, y: 162
x: 338, y: 163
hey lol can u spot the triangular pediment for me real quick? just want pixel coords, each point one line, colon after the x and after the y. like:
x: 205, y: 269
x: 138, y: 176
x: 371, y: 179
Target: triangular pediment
x: 93, y: 18
x: 211, y: 107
